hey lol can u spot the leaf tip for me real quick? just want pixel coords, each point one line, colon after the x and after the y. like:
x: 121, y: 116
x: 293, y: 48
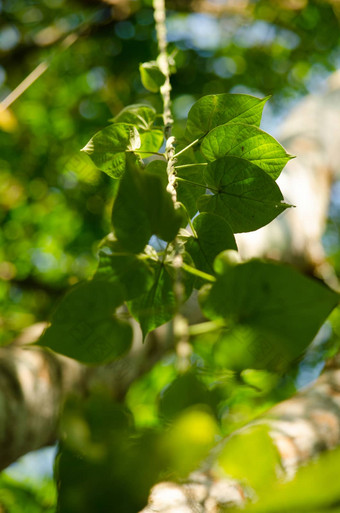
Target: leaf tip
x: 88, y: 148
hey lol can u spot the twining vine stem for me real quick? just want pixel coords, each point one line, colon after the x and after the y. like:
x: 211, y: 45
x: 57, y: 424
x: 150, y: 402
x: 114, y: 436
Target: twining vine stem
x: 164, y: 66
x: 180, y: 324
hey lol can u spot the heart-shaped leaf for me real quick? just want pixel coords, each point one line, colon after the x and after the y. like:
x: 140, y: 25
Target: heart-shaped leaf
x: 213, y: 235
x: 190, y: 186
x: 131, y: 272
x: 158, y: 305
x: 151, y: 76
x: 246, y: 142
x: 151, y: 141
x: 286, y: 308
x: 142, y: 116
x: 84, y: 327
x: 244, y: 195
x: 108, y: 148
x: 217, y: 109
x: 143, y: 208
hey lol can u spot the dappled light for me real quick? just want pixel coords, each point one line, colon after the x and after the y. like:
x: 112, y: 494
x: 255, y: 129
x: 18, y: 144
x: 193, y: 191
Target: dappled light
x: 169, y: 270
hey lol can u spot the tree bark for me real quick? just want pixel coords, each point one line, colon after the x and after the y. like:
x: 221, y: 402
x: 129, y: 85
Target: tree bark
x: 35, y: 382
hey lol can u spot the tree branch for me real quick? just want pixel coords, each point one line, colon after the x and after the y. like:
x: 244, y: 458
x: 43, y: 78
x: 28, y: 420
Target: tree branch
x: 34, y: 384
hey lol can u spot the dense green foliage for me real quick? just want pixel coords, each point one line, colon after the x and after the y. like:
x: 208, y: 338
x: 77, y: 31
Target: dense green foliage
x: 260, y: 317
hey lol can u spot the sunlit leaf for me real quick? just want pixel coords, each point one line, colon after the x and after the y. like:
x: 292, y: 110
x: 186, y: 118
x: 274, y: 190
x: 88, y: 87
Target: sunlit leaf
x: 151, y: 76
x: 244, y: 195
x: 313, y: 489
x: 108, y: 148
x: 151, y: 141
x: 191, y: 436
x: 251, y: 456
x: 246, y: 142
x: 142, y: 116
x: 84, y: 327
x: 217, y: 109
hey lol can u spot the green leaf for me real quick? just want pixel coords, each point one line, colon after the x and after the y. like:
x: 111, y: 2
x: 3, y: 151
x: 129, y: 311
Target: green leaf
x: 151, y: 76
x: 246, y: 142
x: 313, y: 489
x: 285, y: 308
x: 84, y: 327
x: 184, y: 392
x: 96, y: 432
x: 244, y: 195
x: 151, y: 141
x: 158, y: 168
x: 139, y: 115
x: 142, y: 117
x: 108, y: 148
x: 217, y: 109
x: 193, y: 433
x: 158, y: 305
x: 251, y: 456
x: 131, y: 272
x: 143, y: 208
x: 213, y: 236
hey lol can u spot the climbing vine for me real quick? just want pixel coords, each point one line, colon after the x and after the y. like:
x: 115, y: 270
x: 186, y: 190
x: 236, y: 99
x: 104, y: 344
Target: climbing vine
x: 177, y: 205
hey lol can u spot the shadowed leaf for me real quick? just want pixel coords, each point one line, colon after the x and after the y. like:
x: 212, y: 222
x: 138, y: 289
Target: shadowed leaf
x: 108, y: 147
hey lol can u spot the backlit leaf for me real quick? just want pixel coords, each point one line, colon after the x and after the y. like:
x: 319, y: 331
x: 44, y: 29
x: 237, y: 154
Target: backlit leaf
x: 246, y: 142
x: 151, y: 76
x: 142, y: 116
x: 251, y: 456
x: 108, y: 148
x: 151, y: 141
x: 217, y: 109
x: 244, y: 195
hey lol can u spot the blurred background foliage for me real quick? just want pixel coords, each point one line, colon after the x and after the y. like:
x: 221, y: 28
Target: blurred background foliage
x: 55, y: 206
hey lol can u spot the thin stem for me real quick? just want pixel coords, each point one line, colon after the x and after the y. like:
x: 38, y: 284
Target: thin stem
x: 146, y: 152
x: 198, y: 273
x: 192, y: 165
x: 165, y: 90
x: 180, y: 324
x: 187, y: 147
x: 163, y: 62
x: 205, y: 327
x: 192, y: 227
x: 35, y: 74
